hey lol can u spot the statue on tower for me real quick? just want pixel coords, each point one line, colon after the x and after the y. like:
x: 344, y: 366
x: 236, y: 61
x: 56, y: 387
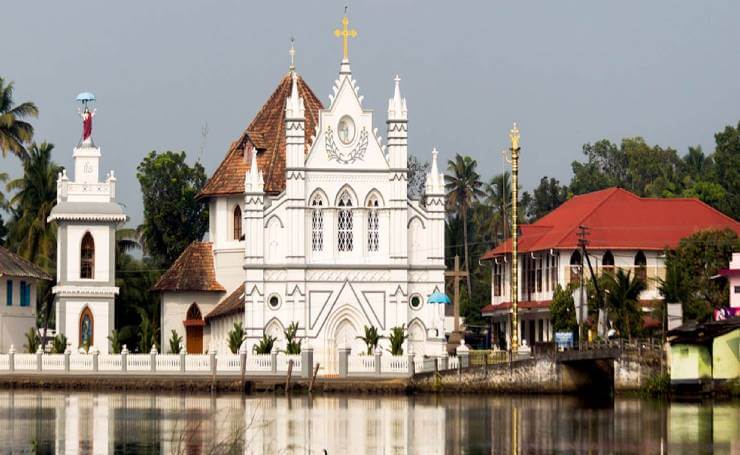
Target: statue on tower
x: 86, y: 115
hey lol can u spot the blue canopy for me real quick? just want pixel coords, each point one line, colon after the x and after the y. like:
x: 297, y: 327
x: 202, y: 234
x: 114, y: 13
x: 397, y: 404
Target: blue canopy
x: 438, y: 297
x: 85, y: 96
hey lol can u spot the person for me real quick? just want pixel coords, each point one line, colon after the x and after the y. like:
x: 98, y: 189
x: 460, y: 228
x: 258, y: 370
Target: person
x: 87, y: 118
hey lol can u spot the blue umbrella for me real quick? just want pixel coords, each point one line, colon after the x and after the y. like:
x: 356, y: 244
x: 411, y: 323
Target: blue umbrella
x: 84, y: 97
x: 438, y: 297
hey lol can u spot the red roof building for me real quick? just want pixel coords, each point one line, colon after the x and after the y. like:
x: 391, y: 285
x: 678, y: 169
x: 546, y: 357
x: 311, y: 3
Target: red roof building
x: 624, y: 231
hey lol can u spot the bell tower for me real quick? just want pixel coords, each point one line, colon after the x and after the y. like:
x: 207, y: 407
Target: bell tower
x: 87, y: 216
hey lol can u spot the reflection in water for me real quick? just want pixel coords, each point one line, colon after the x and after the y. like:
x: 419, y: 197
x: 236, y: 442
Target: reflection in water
x: 57, y: 422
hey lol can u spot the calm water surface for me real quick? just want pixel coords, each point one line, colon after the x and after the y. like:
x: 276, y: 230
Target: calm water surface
x: 59, y: 422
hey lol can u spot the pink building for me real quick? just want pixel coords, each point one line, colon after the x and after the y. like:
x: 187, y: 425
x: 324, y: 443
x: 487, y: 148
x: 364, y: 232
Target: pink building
x: 733, y: 276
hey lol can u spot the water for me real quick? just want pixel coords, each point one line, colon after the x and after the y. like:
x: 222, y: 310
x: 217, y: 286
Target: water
x: 60, y: 422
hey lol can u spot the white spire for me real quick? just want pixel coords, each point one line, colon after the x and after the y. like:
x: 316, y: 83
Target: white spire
x: 397, y: 105
x: 253, y: 182
x: 435, y: 180
x: 294, y: 108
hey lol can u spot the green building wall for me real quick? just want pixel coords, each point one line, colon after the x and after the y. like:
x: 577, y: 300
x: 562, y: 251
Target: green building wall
x: 725, y: 356
x: 690, y: 362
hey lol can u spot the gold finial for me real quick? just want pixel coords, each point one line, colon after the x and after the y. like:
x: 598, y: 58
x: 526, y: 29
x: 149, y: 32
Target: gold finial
x: 514, y: 136
x: 345, y: 33
x: 292, y: 54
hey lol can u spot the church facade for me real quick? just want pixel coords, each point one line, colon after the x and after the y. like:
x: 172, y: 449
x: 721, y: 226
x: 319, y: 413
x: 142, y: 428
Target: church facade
x: 311, y: 223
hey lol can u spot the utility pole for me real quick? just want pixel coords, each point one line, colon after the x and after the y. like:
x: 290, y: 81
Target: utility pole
x: 583, y: 243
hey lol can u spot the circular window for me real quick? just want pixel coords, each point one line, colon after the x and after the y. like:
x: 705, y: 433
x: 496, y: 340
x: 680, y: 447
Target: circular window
x: 274, y: 301
x: 346, y: 129
x: 415, y: 301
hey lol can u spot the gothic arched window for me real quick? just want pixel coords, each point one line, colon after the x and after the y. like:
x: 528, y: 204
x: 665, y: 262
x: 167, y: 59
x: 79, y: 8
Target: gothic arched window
x: 87, y: 256
x: 373, y: 224
x: 86, y: 328
x: 607, y: 262
x: 345, y: 223
x: 575, y: 267
x: 237, y: 223
x: 641, y: 266
x: 317, y: 224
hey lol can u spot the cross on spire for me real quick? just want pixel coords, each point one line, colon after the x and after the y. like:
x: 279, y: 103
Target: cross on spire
x: 345, y: 33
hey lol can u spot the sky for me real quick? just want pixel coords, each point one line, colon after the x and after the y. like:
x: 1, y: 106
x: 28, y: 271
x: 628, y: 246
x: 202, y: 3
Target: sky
x: 568, y: 72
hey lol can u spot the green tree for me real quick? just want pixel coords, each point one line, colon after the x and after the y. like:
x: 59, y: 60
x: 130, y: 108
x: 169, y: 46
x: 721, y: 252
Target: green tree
x: 15, y: 132
x: 35, y: 195
x: 605, y: 166
x: 292, y: 342
x: 498, y: 198
x: 463, y: 186
x: 60, y: 343
x: 236, y: 337
x: 417, y: 176
x: 175, y: 342
x: 173, y: 217
x: 548, y: 196
x: 622, y: 301
x: 115, y: 342
x: 370, y: 338
x: 699, y: 258
x: 397, y: 337
x: 563, y: 310
x: 727, y: 168
x: 265, y: 345
x: 148, y: 331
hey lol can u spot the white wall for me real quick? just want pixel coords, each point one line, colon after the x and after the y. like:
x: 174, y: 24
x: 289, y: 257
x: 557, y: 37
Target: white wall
x: 102, y: 322
x: 174, y: 310
x: 15, y: 320
x: 101, y: 237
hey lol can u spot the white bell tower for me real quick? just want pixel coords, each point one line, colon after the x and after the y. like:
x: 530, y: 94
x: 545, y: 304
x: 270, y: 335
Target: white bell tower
x: 87, y: 216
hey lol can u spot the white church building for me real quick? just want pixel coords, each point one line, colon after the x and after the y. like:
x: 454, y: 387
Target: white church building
x: 310, y: 222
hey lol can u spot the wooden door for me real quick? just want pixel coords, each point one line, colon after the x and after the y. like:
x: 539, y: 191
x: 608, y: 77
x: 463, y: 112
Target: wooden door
x: 194, y: 339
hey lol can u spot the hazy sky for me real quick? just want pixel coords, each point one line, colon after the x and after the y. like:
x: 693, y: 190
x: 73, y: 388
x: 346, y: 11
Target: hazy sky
x: 569, y: 72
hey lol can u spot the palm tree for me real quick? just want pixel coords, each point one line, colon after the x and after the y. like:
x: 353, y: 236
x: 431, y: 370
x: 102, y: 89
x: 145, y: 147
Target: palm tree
x: 622, y: 299
x: 371, y: 338
x: 463, y: 187
x: 14, y: 132
x: 498, y: 197
x: 36, y: 193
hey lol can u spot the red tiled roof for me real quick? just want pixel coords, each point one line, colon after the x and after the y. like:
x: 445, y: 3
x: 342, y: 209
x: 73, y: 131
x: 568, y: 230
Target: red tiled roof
x: 13, y: 265
x: 233, y: 304
x: 266, y: 132
x: 192, y: 271
x: 505, y: 306
x: 618, y: 219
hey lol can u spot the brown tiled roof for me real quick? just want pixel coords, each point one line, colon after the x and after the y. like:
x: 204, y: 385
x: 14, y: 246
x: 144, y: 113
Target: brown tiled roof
x: 13, y: 265
x: 233, y: 304
x: 192, y: 271
x: 267, y: 134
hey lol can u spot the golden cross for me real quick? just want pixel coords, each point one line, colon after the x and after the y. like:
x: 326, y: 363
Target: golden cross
x: 344, y: 34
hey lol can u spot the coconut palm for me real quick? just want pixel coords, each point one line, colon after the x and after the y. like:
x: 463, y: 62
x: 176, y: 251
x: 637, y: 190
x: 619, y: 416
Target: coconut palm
x: 622, y: 300
x: 498, y: 197
x: 14, y: 131
x: 236, y: 337
x: 36, y: 193
x: 463, y: 186
x: 371, y: 338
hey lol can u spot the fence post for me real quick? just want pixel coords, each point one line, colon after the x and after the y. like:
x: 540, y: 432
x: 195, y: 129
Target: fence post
x: 306, y: 361
x: 243, y: 359
x: 273, y: 359
x: 344, y: 361
x: 378, y: 360
x: 124, y: 357
x: 153, y: 358
x: 39, y: 361
x: 212, y: 359
x: 67, y: 355
x: 11, y: 358
x: 411, y: 363
x: 463, y: 354
x: 96, y: 354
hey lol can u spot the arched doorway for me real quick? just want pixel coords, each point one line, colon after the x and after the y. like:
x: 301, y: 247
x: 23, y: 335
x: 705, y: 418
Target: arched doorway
x: 87, y: 324
x: 417, y: 338
x: 194, y: 330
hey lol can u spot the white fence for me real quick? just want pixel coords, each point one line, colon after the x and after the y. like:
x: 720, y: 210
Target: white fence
x: 259, y: 362
x: 139, y: 362
x: 168, y: 362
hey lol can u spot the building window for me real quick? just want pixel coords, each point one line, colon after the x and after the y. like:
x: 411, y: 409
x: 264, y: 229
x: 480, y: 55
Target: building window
x: 538, y: 264
x: 373, y: 232
x: 87, y: 257
x: 554, y: 271
x: 317, y: 224
x: 86, y: 328
x: 344, y: 223
x: 237, y: 223
x: 737, y: 289
x: 575, y: 267
x: 25, y: 294
x: 274, y: 301
x: 498, y: 276
x: 641, y: 266
x: 9, y: 293
x: 607, y: 263
x: 415, y: 302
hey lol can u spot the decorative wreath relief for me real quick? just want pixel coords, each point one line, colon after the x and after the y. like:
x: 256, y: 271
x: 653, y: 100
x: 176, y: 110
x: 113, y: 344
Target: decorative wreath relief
x: 346, y: 157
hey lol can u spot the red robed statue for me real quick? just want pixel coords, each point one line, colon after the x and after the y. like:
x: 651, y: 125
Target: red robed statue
x: 87, y: 118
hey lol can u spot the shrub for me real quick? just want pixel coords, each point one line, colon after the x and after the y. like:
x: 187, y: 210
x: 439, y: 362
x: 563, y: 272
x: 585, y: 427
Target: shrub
x: 236, y: 337
x: 115, y: 341
x: 371, y: 339
x: 32, y: 340
x: 59, y: 344
x: 293, y: 345
x: 397, y: 337
x: 265, y: 344
x: 175, y: 342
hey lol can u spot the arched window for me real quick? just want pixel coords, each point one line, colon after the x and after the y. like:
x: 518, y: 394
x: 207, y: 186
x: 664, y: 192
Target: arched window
x: 641, y: 266
x: 607, y: 262
x: 87, y: 257
x: 194, y: 313
x: 344, y: 223
x: 575, y: 267
x: 317, y: 224
x: 373, y: 224
x: 237, y: 223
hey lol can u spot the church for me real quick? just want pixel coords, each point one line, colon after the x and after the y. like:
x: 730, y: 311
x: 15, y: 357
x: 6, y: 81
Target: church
x: 310, y: 223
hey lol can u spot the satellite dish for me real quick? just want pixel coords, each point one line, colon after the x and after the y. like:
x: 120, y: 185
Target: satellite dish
x: 85, y: 97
